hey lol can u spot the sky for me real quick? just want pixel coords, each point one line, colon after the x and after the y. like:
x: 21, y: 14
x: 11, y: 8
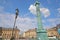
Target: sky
x: 49, y: 10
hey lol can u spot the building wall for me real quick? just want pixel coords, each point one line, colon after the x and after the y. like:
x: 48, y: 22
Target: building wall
x: 0, y: 32
x: 52, y: 32
x: 7, y: 33
x: 30, y: 33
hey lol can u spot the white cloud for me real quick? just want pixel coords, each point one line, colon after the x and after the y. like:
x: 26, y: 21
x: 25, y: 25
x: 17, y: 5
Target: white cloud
x: 45, y: 11
x: 7, y: 20
x: 51, y: 22
x: 32, y: 9
x: 58, y: 14
x: 26, y: 23
x: 58, y: 10
x: 54, y: 21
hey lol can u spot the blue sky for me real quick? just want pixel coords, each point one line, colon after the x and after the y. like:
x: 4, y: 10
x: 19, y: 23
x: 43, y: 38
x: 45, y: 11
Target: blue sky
x: 50, y: 11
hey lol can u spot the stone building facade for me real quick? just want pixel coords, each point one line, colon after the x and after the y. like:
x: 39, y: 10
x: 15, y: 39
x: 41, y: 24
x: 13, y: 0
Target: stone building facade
x: 6, y: 33
x: 52, y: 32
x: 30, y: 33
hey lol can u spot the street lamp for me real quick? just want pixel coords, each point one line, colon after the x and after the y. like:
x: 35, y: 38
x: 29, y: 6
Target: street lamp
x: 17, y: 11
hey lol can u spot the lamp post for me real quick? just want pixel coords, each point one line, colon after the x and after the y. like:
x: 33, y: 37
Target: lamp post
x: 41, y: 33
x: 13, y: 37
x: 17, y: 11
